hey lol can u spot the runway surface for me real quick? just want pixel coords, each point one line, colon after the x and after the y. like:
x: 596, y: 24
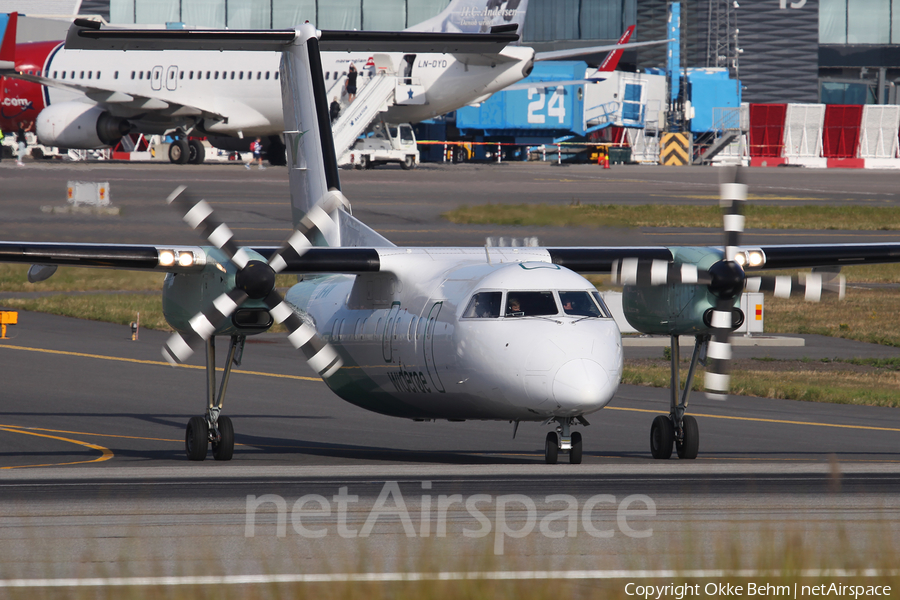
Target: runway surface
x: 405, y: 206
x: 104, y: 416
x: 123, y: 501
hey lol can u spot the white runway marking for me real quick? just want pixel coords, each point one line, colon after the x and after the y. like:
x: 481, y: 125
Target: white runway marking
x: 439, y: 576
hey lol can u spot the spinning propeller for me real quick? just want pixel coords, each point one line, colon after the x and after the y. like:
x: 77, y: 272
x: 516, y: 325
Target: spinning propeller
x: 255, y: 280
x: 726, y: 280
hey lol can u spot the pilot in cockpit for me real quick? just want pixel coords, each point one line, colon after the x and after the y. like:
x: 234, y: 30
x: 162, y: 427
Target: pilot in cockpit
x: 513, y: 308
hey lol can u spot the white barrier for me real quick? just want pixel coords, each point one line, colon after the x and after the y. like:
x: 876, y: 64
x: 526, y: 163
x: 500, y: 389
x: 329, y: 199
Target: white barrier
x: 803, y: 125
x: 878, y: 131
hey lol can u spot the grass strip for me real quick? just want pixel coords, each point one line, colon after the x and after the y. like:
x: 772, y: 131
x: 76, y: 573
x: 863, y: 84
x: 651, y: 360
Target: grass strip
x: 837, y: 382
x: 811, y: 216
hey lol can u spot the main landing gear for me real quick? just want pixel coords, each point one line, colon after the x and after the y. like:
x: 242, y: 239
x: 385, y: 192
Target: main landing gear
x: 677, y: 428
x: 214, y: 428
x: 564, y: 439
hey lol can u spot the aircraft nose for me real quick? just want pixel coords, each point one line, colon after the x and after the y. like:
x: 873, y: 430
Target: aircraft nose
x: 581, y: 384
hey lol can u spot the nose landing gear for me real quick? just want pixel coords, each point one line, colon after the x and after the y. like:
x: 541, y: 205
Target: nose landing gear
x: 564, y: 439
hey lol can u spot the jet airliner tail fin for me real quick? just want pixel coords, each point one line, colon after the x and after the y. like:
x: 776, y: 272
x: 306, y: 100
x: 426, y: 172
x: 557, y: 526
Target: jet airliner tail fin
x: 8, y: 24
x: 612, y: 59
x: 476, y: 16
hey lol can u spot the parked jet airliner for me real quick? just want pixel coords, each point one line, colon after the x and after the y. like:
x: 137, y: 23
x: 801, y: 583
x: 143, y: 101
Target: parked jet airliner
x: 91, y: 99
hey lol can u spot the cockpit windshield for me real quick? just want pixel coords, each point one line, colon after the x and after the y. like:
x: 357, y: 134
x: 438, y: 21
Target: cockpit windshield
x: 580, y: 304
x: 530, y: 304
x: 484, y: 305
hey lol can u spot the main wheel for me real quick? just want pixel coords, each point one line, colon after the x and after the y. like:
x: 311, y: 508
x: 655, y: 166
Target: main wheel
x: 408, y: 163
x: 196, y: 438
x: 223, y: 448
x: 662, y: 437
x: 179, y: 152
x: 575, y: 452
x: 690, y: 445
x: 196, y: 152
x: 551, y: 448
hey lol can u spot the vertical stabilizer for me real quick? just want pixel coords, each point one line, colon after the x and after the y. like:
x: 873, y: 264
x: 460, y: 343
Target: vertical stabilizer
x: 476, y: 16
x: 8, y: 25
x: 312, y: 166
x: 612, y: 59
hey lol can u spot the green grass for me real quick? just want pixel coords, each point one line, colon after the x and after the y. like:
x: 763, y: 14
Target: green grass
x: 837, y: 382
x: 865, y: 218
x: 13, y: 278
x: 120, y: 309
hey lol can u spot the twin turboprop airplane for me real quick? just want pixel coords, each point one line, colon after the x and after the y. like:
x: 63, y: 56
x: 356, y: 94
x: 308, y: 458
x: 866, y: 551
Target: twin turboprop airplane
x: 513, y: 334
x: 92, y: 99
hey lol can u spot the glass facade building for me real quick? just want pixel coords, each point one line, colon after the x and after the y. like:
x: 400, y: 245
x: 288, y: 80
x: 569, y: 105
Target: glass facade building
x: 833, y: 50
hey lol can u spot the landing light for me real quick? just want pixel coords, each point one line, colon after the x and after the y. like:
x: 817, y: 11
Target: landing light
x: 166, y: 258
x: 186, y: 259
x: 752, y: 258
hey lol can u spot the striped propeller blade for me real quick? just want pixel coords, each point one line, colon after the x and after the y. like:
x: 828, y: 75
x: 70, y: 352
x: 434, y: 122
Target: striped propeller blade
x: 198, y: 214
x: 810, y: 285
x: 180, y: 347
x: 320, y: 355
x: 316, y: 222
x: 718, y: 354
x: 634, y: 271
x: 732, y: 197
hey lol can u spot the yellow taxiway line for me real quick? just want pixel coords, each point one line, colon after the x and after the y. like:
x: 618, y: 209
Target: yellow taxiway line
x: 105, y: 453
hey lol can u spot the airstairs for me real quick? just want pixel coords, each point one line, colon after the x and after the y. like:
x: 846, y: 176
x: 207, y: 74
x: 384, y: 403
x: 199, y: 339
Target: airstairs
x: 375, y: 95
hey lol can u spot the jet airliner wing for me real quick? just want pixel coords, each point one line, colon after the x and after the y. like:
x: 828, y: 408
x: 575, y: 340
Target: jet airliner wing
x: 573, y: 52
x: 114, y: 99
x: 551, y: 84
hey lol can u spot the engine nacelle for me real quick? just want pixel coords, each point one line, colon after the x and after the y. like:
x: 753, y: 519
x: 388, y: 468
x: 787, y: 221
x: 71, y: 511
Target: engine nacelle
x: 679, y: 309
x: 186, y: 294
x: 79, y: 125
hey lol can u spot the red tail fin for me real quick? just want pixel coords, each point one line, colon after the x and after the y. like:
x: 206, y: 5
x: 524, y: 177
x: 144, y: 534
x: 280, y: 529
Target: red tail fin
x: 612, y: 59
x: 8, y: 44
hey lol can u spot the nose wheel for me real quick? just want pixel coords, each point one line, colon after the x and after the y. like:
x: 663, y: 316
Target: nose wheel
x: 214, y: 429
x: 565, y: 440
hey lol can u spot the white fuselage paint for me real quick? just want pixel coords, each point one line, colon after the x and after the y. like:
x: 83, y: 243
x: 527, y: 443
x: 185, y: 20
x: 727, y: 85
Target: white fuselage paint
x: 409, y: 352
x: 243, y: 87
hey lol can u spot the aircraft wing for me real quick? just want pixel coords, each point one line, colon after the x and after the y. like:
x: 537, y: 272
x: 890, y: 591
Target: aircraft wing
x: 86, y: 35
x: 114, y: 99
x: 551, y: 84
x: 572, y: 52
x: 181, y: 259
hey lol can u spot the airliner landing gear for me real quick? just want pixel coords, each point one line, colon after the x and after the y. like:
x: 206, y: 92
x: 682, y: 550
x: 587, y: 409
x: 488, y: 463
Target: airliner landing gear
x: 214, y: 428
x: 677, y: 428
x: 179, y: 151
x: 564, y: 439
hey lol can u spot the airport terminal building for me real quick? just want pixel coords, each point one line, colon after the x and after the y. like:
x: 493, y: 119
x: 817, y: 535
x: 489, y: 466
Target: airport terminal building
x: 829, y: 51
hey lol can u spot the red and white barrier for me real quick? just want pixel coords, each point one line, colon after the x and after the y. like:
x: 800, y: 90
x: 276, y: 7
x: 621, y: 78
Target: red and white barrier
x: 820, y: 136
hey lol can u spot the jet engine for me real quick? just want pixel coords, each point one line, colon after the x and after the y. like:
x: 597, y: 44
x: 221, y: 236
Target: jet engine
x: 79, y: 125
